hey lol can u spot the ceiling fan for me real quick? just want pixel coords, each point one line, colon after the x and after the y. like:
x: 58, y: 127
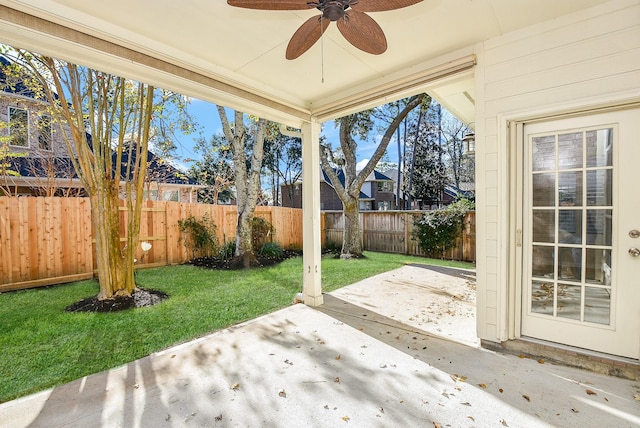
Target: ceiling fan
x: 355, y: 25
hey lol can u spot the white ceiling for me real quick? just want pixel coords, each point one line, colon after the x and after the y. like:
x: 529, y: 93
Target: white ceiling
x: 236, y: 57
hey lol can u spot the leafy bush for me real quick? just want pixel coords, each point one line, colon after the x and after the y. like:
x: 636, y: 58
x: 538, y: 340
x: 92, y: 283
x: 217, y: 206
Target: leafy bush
x: 228, y: 250
x: 261, y: 232
x: 271, y: 250
x: 201, y: 236
x: 438, y: 230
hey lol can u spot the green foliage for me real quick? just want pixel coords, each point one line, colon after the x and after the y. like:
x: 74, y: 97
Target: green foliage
x: 201, y: 237
x: 437, y: 230
x: 271, y: 250
x: 228, y: 250
x: 261, y: 232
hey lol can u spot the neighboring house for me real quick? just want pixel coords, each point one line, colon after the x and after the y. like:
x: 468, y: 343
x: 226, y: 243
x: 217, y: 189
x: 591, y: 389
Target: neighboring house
x: 44, y: 167
x: 377, y: 193
x: 450, y: 195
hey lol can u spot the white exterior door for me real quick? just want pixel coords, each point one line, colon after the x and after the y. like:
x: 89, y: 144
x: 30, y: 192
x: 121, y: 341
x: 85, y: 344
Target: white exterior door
x: 580, y: 223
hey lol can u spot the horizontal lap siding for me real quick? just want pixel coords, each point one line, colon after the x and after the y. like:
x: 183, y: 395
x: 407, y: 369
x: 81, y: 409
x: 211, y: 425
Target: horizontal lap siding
x: 567, y: 64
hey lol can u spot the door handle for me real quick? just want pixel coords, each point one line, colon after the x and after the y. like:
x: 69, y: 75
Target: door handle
x: 634, y: 252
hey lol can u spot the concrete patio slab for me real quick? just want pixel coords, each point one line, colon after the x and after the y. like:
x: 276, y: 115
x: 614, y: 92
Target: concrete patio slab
x: 348, y: 364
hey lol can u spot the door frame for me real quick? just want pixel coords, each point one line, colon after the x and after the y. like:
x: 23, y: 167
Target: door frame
x: 513, y: 129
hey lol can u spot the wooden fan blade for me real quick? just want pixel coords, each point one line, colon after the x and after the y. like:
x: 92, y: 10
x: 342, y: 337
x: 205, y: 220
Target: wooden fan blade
x: 306, y: 36
x: 362, y: 32
x: 382, y: 5
x: 271, y: 4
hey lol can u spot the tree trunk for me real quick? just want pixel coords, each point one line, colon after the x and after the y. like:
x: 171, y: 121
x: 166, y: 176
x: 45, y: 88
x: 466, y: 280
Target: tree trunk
x: 114, y: 274
x: 351, y: 244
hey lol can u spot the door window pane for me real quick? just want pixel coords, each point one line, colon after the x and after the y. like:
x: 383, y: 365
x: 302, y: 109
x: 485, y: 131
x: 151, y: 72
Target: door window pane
x: 544, y: 225
x: 569, y: 301
x: 544, y: 153
x: 542, y: 262
x: 600, y: 147
x: 597, y: 305
x: 570, y: 263
x: 598, y: 266
x: 570, y: 189
x: 570, y: 150
x: 570, y: 226
x: 599, y: 227
x: 599, y: 187
x: 542, y: 294
x: 544, y: 187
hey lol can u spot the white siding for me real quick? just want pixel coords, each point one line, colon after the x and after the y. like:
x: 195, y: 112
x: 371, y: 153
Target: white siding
x: 574, y: 62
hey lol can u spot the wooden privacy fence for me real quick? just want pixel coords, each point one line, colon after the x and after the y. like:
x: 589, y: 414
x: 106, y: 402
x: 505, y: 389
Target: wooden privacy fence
x: 46, y: 241
x: 393, y: 232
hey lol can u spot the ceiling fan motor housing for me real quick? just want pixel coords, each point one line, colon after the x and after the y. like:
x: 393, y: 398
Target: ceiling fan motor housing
x: 333, y: 9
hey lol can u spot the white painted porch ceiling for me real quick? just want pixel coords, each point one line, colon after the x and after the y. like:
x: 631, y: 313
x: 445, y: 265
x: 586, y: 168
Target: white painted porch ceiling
x: 245, y: 49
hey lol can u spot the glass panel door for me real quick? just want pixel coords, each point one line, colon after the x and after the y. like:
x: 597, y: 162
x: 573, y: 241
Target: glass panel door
x: 580, y: 257
x: 571, y: 207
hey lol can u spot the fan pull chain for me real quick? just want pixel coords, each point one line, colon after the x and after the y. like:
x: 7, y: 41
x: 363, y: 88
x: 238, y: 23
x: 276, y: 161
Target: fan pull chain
x: 321, y: 49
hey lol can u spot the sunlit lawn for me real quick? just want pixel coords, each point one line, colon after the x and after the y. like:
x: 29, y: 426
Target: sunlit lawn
x: 42, y: 345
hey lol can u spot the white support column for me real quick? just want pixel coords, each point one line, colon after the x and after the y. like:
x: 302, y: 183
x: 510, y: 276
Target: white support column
x: 312, y: 288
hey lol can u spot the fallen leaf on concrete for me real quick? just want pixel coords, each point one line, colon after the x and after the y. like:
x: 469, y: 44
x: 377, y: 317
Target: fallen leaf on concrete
x: 526, y: 397
x: 466, y: 403
x: 482, y: 385
x: 575, y: 411
x: 458, y: 378
x: 636, y: 397
x: 282, y: 393
x: 346, y: 418
x: 235, y: 386
x: 381, y: 409
x: 338, y: 357
x: 503, y: 422
x: 471, y: 417
x: 326, y: 406
x: 541, y: 361
x: 337, y: 380
x: 436, y: 425
x: 500, y: 390
x: 590, y: 392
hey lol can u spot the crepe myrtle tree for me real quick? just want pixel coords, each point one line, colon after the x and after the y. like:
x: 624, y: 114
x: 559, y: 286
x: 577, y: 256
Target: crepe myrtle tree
x: 107, y: 137
x: 246, y: 143
x: 351, y: 126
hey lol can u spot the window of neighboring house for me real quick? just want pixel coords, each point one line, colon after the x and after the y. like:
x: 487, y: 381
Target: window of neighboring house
x: 385, y: 186
x: 384, y: 206
x: 45, y: 133
x: 18, y: 127
x: 365, y: 205
x: 171, y: 196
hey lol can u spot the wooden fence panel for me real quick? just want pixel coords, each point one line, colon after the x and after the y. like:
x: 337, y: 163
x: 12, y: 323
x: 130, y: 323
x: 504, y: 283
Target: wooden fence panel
x: 394, y: 232
x: 47, y: 241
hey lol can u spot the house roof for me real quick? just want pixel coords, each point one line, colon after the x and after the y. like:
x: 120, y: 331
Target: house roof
x: 236, y: 57
x: 159, y: 171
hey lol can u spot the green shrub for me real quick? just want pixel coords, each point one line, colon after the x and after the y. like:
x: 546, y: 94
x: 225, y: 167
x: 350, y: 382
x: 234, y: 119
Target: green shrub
x: 261, y: 232
x: 438, y: 230
x: 272, y: 250
x: 200, y: 236
x: 228, y: 250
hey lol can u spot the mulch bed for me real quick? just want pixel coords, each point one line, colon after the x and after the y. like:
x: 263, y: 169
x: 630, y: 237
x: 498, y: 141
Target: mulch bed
x: 139, y: 299
x: 145, y: 297
x: 236, y: 263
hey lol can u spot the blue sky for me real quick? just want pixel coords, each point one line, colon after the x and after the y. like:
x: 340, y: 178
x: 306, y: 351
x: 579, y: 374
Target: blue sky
x: 207, y: 116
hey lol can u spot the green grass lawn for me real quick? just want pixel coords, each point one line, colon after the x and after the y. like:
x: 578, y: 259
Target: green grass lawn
x: 41, y: 345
